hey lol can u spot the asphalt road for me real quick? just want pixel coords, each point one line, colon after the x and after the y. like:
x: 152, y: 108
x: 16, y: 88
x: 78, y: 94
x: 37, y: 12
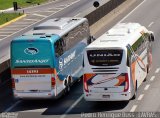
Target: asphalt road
x: 73, y: 105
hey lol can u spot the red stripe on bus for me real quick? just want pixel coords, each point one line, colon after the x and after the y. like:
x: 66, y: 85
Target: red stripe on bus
x: 33, y: 71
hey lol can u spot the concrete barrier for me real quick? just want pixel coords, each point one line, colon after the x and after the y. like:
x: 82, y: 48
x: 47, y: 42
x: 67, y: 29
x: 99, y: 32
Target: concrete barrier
x: 103, y: 10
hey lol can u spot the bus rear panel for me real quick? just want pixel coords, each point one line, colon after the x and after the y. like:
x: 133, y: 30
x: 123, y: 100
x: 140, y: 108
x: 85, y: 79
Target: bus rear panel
x: 106, y: 76
x: 32, y: 69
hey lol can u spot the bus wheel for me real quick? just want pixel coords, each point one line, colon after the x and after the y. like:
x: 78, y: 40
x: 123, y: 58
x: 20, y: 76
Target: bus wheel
x: 147, y: 73
x: 135, y: 93
x: 68, y: 86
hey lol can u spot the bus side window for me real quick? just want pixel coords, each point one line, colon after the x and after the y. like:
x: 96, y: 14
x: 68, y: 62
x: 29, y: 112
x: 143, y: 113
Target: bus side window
x: 58, y: 48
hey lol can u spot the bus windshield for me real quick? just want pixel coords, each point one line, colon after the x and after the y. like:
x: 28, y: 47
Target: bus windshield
x: 107, y: 57
x: 36, y: 54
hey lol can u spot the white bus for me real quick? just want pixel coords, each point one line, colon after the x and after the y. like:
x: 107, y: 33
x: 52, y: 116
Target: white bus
x: 117, y: 63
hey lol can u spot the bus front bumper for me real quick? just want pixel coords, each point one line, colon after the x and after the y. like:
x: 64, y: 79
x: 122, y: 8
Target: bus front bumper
x: 124, y: 96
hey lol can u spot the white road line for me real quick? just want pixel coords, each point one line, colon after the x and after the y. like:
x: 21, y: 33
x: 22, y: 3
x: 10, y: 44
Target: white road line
x: 54, y: 9
x: 30, y: 19
x: 157, y: 70
x: 36, y: 110
x: 3, y: 35
x: 150, y: 24
x: 50, y: 11
x: 133, y: 108
x: 140, y: 97
x: 72, y: 3
x: 72, y: 106
x: 14, y: 105
x: 152, y: 78
x: 147, y: 87
x: 77, y: 15
x: 39, y: 15
x: 131, y: 12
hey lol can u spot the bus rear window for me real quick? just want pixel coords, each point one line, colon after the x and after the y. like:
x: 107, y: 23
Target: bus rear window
x: 105, y: 57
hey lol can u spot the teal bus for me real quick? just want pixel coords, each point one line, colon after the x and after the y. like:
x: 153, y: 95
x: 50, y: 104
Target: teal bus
x: 47, y: 60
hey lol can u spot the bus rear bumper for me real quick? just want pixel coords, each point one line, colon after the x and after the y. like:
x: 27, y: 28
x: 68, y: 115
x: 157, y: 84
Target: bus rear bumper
x: 35, y: 95
x: 124, y: 96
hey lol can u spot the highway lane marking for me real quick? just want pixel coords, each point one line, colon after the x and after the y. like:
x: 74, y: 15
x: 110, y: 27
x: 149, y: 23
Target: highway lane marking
x: 133, y: 108
x: 157, y: 70
x: 50, y: 11
x: 72, y: 106
x: 72, y: 3
x: 30, y: 19
x: 152, y: 78
x: 40, y: 15
x: 14, y: 105
x: 3, y: 35
x: 77, y: 15
x: 140, y: 97
x: 131, y: 12
x: 35, y: 110
x: 54, y: 9
x: 150, y: 24
x: 147, y: 87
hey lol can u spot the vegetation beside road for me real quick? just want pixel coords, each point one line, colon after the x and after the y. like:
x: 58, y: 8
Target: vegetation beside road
x: 5, y: 4
x: 6, y: 17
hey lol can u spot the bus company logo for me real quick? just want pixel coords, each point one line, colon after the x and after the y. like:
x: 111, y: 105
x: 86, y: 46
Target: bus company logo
x: 31, y: 51
x: 60, y: 63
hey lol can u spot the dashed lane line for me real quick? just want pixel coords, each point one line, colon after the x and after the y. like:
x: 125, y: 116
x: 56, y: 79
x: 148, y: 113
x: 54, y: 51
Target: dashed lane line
x: 152, y: 78
x: 40, y: 15
x: 30, y: 19
x: 14, y: 105
x: 147, y: 87
x: 141, y: 97
x: 157, y: 70
x: 150, y: 24
x: 131, y: 12
x: 133, y: 108
x: 77, y: 15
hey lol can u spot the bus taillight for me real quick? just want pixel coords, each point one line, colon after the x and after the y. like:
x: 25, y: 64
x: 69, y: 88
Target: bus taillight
x: 53, y: 82
x: 13, y: 83
x: 126, y: 83
x: 85, y: 83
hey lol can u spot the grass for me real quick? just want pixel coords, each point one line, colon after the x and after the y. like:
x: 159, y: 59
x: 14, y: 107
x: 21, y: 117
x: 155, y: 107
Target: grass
x: 4, y: 4
x: 5, y: 17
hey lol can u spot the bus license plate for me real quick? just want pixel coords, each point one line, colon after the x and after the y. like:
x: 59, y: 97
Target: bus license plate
x: 106, y: 96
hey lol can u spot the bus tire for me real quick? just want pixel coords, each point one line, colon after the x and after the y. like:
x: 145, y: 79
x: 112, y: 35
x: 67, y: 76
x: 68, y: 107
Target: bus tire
x: 135, y: 93
x: 147, y: 73
x: 68, y: 86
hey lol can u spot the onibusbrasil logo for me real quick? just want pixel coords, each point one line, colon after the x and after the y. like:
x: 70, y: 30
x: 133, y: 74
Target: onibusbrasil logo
x: 31, y: 51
